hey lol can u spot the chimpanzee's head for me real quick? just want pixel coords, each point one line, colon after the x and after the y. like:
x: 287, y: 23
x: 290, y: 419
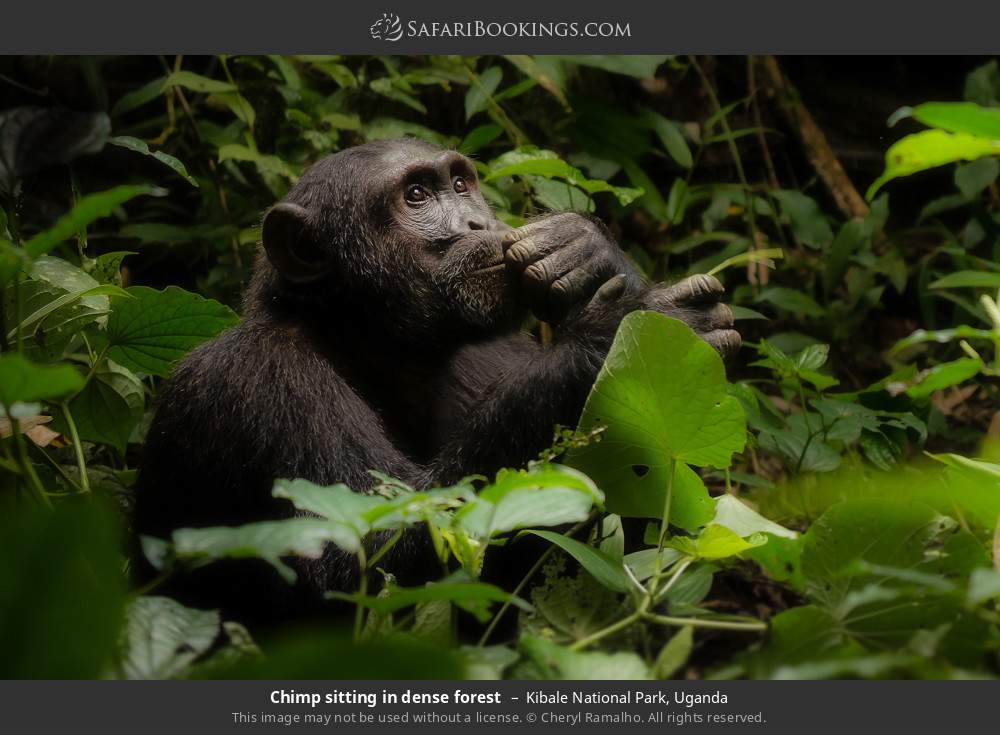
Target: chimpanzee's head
x: 401, y: 230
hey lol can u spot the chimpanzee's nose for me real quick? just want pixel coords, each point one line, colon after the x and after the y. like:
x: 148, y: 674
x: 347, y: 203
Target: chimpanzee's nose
x: 476, y: 222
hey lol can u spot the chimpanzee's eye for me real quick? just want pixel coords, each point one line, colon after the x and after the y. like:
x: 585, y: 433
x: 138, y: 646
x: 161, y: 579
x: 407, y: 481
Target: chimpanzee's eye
x: 416, y: 194
x: 460, y: 186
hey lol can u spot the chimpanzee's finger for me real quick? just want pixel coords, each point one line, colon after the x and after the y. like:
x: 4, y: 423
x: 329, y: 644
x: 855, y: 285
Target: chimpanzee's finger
x: 545, y: 224
x: 697, y: 289
x: 719, y: 316
x: 725, y: 341
x: 574, y: 287
x: 610, y: 291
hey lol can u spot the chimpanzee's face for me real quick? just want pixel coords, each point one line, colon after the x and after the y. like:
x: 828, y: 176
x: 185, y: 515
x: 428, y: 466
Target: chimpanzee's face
x: 401, y: 228
x: 438, y: 215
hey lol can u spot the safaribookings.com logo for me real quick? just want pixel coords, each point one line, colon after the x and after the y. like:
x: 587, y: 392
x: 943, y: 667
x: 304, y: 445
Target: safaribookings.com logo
x: 390, y: 28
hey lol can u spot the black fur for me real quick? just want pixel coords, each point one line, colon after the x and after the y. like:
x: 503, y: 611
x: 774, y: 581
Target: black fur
x: 398, y: 358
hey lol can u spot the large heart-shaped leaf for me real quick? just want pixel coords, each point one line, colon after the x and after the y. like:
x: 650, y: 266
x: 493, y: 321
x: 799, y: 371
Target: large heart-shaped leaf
x: 662, y: 396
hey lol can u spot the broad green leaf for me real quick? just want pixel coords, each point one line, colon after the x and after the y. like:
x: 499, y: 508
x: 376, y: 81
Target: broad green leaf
x: 61, y: 588
x: 267, y: 165
x: 670, y: 136
x: 87, y: 297
x: 604, y: 568
x: 148, y: 332
x: 475, y: 597
x: 547, y: 496
x: 969, y: 496
x: 107, y: 268
x: 662, y: 396
x: 940, y: 336
x: 807, y: 221
x: 109, y: 407
x: 960, y: 117
x: 533, y: 161
x: 163, y: 638
x: 674, y: 653
x: 552, y: 661
x: 140, y: 146
x: 481, y: 90
x: 87, y: 209
x: 744, y: 521
x: 790, y: 300
x: 968, y: 279
x: 889, y: 533
x: 267, y: 540
x: 972, y: 178
x: 479, y: 137
x: 715, y: 542
x: 24, y: 381
x: 945, y: 375
x: 929, y: 149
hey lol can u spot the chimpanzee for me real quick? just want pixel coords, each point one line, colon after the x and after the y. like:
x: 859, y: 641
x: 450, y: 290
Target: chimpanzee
x: 381, y: 331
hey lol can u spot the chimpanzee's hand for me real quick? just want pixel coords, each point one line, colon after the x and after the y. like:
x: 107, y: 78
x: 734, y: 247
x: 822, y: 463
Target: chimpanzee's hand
x: 560, y: 261
x: 695, y: 301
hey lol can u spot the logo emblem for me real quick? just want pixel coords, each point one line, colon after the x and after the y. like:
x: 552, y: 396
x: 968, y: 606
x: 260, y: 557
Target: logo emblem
x: 387, y: 28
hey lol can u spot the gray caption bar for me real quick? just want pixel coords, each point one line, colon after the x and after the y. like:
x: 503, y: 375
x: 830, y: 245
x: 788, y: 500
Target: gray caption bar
x: 515, y: 26
x: 455, y: 706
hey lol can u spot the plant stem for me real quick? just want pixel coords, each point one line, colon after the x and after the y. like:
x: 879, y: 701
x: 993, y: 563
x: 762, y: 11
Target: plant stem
x: 749, y: 626
x: 613, y: 628
x: 665, y: 518
x: 27, y: 469
x: 81, y: 463
x: 524, y: 581
x: 359, y: 613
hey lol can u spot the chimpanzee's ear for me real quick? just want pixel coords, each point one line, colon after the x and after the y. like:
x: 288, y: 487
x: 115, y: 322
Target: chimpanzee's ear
x: 290, y: 244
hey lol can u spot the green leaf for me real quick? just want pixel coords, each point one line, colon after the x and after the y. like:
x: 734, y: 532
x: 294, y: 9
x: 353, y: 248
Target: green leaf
x: 674, y: 653
x: 268, y: 540
x: 604, y: 568
x: 968, y: 279
x: 546, y: 496
x: 888, y: 533
x: 163, y: 638
x: 944, y: 376
x: 140, y: 146
x: 479, y: 137
x: 788, y: 299
x: 972, y: 178
x: 670, y: 136
x: 552, y: 661
x: 481, y: 90
x: 87, y: 209
x: 61, y: 588
x: 742, y: 520
x: 474, y: 597
x: 960, y: 117
x: 662, y: 396
x: 109, y: 407
x: 715, y: 542
x: 530, y: 161
x: 24, y: 381
x: 197, y: 83
x: 148, y: 332
x: 929, y: 149
x: 808, y: 223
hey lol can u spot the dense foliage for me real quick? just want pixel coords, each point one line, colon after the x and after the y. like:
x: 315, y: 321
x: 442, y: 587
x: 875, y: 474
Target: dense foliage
x: 830, y: 510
